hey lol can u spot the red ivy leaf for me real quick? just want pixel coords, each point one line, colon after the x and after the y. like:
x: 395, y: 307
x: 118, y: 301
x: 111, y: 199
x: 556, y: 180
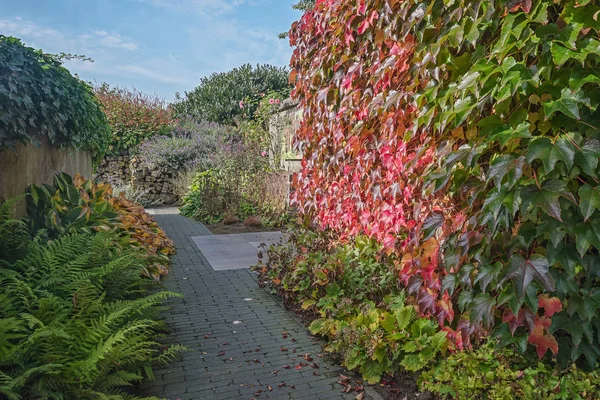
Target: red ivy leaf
x: 542, y: 339
x: 551, y: 305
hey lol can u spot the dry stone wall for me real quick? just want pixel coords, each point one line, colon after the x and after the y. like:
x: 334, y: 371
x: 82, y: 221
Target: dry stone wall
x: 156, y: 185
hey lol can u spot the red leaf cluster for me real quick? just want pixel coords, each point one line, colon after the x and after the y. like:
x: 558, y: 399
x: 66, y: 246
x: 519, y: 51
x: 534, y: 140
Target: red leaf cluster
x: 362, y: 159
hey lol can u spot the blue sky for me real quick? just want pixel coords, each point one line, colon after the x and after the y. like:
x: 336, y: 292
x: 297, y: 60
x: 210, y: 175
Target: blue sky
x: 157, y: 46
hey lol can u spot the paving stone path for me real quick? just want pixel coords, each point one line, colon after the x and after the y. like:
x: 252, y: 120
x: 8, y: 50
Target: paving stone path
x: 234, y: 331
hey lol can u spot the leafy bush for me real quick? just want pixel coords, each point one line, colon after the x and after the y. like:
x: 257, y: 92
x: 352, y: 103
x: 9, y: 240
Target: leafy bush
x: 218, y: 97
x: 191, y: 145
x: 76, y: 321
x: 488, y: 373
x: 350, y: 291
x: 40, y: 98
x: 75, y: 205
x: 133, y: 116
x: 463, y: 136
x: 241, y: 184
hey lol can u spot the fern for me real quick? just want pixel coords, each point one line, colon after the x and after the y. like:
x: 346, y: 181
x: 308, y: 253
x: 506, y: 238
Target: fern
x: 77, y: 320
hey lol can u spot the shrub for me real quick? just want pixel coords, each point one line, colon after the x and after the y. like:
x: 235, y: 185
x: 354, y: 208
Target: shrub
x: 218, y: 97
x: 75, y: 205
x: 40, y: 98
x: 133, y: 116
x: 189, y: 146
x: 462, y: 136
x: 230, y: 186
x: 489, y: 373
x: 76, y: 319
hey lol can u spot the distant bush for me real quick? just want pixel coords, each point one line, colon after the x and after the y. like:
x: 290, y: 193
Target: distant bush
x: 133, y: 116
x: 218, y: 97
x: 189, y: 145
x: 40, y: 98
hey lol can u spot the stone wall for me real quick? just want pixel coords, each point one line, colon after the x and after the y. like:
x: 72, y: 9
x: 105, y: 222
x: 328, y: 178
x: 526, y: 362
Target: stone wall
x: 29, y: 164
x: 155, y: 185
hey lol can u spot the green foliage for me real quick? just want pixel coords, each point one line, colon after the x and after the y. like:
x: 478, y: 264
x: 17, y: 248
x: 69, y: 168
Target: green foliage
x: 218, y: 97
x: 376, y: 340
x: 40, y: 99
x: 239, y: 184
x: 70, y: 207
x: 255, y: 128
x: 76, y: 319
x: 133, y: 116
x: 492, y: 374
x: 350, y: 288
x: 521, y: 164
x: 76, y: 205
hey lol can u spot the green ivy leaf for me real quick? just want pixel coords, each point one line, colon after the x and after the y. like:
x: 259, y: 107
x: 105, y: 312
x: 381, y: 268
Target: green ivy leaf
x: 587, y: 234
x: 551, y: 153
x: 589, y: 200
x: 547, y: 197
x: 481, y: 309
x: 568, y: 104
x: 522, y: 272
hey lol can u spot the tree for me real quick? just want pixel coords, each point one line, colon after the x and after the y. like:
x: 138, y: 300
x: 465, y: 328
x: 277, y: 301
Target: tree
x: 218, y: 97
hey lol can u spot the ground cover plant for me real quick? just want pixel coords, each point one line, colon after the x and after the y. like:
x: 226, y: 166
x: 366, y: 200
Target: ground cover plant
x: 463, y: 137
x: 77, y: 319
x: 349, y: 294
x: 41, y: 100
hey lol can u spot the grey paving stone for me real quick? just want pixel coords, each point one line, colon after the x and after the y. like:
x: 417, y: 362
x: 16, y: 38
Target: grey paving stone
x: 212, y: 301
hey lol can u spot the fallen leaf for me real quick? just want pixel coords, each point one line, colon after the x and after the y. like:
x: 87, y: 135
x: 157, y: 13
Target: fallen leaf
x: 361, y: 396
x: 221, y: 353
x: 286, y: 367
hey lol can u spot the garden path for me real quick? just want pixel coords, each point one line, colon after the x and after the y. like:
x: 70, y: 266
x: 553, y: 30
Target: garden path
x: 234, y: 332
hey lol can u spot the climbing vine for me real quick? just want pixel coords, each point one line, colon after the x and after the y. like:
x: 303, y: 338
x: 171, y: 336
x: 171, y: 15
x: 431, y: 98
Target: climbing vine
x: 464, y: 136
x: 40, y: 98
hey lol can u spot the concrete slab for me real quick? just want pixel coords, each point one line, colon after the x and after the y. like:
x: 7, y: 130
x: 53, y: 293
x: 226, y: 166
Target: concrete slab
x: 234, y: 251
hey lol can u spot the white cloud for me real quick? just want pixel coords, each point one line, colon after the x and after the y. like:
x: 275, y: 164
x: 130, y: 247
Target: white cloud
x: 152, y: 74
x: 20, y: 28
x: 52, y: 40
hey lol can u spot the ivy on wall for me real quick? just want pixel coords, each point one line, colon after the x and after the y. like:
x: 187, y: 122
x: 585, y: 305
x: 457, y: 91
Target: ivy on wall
x: 465, y: 136
x: 40, y: 98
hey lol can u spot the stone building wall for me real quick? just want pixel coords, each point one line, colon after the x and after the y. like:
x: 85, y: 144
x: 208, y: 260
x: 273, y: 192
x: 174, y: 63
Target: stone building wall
x: 156, y: 185
x: 282, y: 128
